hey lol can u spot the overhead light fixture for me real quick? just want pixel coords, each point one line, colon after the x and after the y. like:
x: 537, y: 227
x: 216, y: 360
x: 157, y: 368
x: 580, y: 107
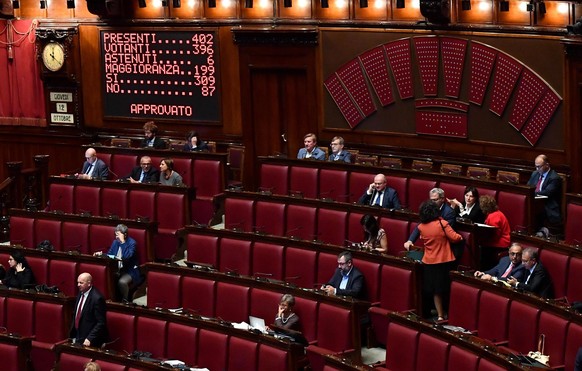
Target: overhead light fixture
x: 325, y: 3
x: 288, y: 3
x: 542, y: 7
x: 212, y: 3
x: 70, y: 4
x: 43, y: 4
x: 248, y: 3
x: 466, y: 4
x: 141, y: 3
x: 400, y: 4
x: 15, y: 4
x: 504, y: 6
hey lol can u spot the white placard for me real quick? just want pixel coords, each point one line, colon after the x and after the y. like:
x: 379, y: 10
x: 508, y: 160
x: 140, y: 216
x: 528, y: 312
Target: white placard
x: 61, y: 118
x: 61, y: 97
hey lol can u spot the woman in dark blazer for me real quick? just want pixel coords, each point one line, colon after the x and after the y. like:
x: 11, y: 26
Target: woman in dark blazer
x: 195, y: 144
x: 19, y: 273
x: 469, y: 209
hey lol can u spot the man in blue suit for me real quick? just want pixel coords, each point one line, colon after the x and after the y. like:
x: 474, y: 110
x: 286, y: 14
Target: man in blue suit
x: 379, y: 194
x: 509, y: 266
x: 337, y: 151
x: 93, y: 168
x: 549, y: 184
x: 310, y: 151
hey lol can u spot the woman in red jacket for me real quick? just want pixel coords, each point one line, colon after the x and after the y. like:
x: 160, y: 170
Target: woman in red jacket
x: 500, y: 238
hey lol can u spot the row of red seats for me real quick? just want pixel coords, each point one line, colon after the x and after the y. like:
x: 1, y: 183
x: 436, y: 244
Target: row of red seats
x: 14, y: 352
x: 45, y: 317
x: 80, y: 234
x: 347, y: 185
x: 514, y: 320
x: 204, y: 345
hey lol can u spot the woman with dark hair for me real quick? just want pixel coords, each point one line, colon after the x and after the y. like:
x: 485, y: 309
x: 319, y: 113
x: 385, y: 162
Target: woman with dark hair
x: 195, y: 144
x: 19, y: 274
x: 375, y: 238
x: 500, y: 239
x: 469, y: 209
x: 167, y: 174
x: 286, y: 317
x: 438, y: 258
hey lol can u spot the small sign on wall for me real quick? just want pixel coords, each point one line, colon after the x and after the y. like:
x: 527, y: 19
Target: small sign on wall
x: 63, y: 109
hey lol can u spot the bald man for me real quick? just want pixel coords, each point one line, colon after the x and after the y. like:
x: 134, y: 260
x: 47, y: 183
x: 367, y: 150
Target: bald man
x: 549, y: 184
x: 379, y: 194
x: 89, y: 326
x: 93, y: 168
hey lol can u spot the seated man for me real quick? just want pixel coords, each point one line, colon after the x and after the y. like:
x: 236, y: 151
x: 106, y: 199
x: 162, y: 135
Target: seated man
x: 537, y: 280
x: 144, y: 173
x: 548, y: 183
x: 379, y: 194
x: 150, y: 140
x: 93, y: 168
x: 509, y: 266
x: 347, y: 279
x: 311, y: 151
x: 337, y: 151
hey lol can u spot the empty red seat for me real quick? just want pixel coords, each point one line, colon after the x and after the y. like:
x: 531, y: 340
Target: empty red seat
x: 573, y: 343
x: 464, y: 305
x: 555, y: 328
x: 275, y: 178
x: 184, y: 167
x: 143, y: 242
x: 271, y: 358
x: 122, y: 164
x: 574, y: 291
x: 235, y: 256
x: 9, y: 354
x: 142, y: 205
x: 22, y: 231
x: 182, y: 343
x: 202, y: 249
x: 164, y: 290
x: 232, y: 302
x: 46, y: 229
x: 52, y: 325
x: 433, y: 354
x: 100, y: 237
x: 307, y: 310
x: 557, y: 266
x: 522, y: 334
x: 268, y: 260
x: 300, y: 266
x: 198, y: 295
x: 242, y: 354
x: 171, y: 215
x: 487, y: 365
x: 151, y: 336
x: 461, y: 359
x: 397, y: 231
x: 370, y: 270
x: 355, y: 232
x: 88, y: 200
x: 121, y: 326
x: 20, y: 317
x: 208, y: 181
x: 573, y: 232
x: 400, y: 185
x: 329, y: 335
x: 239, y: 214
x: 418, y: 191
x: 326, y: 267
x: 515, y: 208
x: 401, y: 347
x: 270, y: 218
x: 212, y: 350
x: 40, y: 268
x: 331, y: 226
x: 493, y: 316
x: 63, y: 274
x: 114, y: 202
x: 301, y: 222
x: 333, y: 185
x: 304, y: 181
x: 61, y: 197
x: 75, y: 237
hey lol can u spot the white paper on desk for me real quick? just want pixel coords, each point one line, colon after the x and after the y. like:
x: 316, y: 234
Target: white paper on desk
x: 241, y: 326
x: 198, y: 369
x: 484, y: 225
x: 173, y: 362
x: 540, y: 197
x: 456, y: 329
x: 175, y: 310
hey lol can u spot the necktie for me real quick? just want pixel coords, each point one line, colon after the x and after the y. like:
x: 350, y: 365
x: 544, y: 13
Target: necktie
x: 508, y: 270
x: 539, y: 184
x: 141, y: 177
x: 378, y: 199
x: 79, y: 310
x: 89, y: 169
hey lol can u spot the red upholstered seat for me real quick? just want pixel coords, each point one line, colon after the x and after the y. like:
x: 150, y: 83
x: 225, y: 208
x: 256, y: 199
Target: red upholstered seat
x: 9, y: 357
x: 212, y: 350
x: 184, y: 167
x: 331, y: 226
x: 371, y: 271
x: 264, y: 304
x: 487, y: 365
x: 307, y: 310
x: 326, y: 267
x: 164, y: 290
x: 514, y: 207
x: 275, y: 178
x: 453, y: 190
x: 555, y: 328
x: 523, y: 334
x: 202, y: 249
x: 333, y: 185
x: 232, y: 302
x: 304, y: 180
x: 199, y: 295
x: 101, y: 277
x: 574, y: 291
x: 182, y: 343
x: 46, y: 229
x: 100, y: 237
x: 493, y: 316
x: 355, y: 232
x: 464, y: 306
x: 418, y: 191
x: 122, y: 165
x: 61, y: 197
x: 358, y: 184
x: 301, y: 222
x: 239, y: 214
x: 573, y: 232
x: 2, y: 311
x: 20, y: 317
x: 143, y: 250
x: 242, y: 354
x: 72, y: 361
x: 106, y: 157
x: 270, y: 218
x: 461, y: 359
x: 271, y: 358
x: 573, y: 342
x: 88, y: 200
x: 39, y: 267
x: 22, y: 231
x: 488, y: 191
x: 557, y: 266
x: 51, y: 326
x: 151, y: 336
x: 75, y: 237
x: 397, y: 231
x: 208, y: 181
x: 268, y: 260
x: 432, y: 355
x: 329, y: 335
x: 400, y: 185
x: 401, y: 347
x: 121, y: 326
x: 142, y: 204
x: 235, y: 256
x: 114, y: 202
x: 300, y: 266
x: 63, y: 274
x: 171, y: 215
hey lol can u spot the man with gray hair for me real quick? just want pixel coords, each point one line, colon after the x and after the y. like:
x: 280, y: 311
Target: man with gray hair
x: 509, y: 266
x: 537, y: 280
x: 337, y: 151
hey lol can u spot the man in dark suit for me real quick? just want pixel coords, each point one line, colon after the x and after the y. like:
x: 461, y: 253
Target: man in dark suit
x: 151, y: 140
x: 536, y: 280
x: 93, y: 168
x: 436, y: 195
x: 379, y: 194
x: 89, y: 326
x: 337, y: 151
x: 347, y: 279
x: 144, y: 173
x: 549, y: 184
x: 509, y: 266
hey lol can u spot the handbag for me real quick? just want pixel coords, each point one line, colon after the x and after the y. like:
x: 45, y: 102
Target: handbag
x: 539, y: 354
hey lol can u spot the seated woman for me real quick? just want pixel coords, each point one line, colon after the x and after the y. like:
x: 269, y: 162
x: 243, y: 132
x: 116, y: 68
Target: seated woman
x: 123, y: 248
x: 469, y: 209
x: 167, y: 174
x: 195, y: 144
x: 286, y: 318
x: 19, y: 274
x: 375, y: 238
x: 500, y: 237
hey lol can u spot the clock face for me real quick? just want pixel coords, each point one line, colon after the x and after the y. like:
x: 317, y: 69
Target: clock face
x: 53, y: 56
